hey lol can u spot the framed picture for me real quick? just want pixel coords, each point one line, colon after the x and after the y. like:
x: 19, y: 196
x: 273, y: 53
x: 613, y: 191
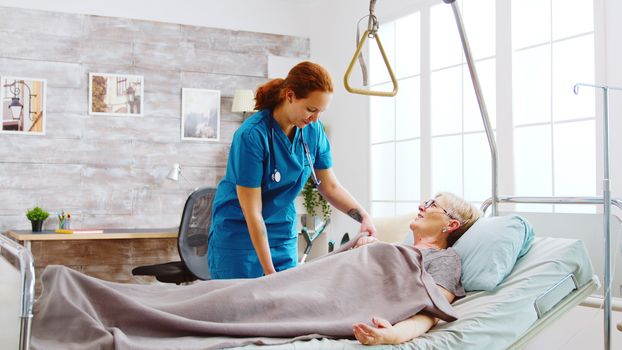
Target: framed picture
x: 200, y: 114
x: 23, y: 105
x: 115, y: 94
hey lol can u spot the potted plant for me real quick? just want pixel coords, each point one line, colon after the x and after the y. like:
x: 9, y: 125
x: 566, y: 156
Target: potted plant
x: 314, y: 203
x: 36, y: 216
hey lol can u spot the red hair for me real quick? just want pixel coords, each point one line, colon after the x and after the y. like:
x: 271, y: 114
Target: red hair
x: 303, y: 79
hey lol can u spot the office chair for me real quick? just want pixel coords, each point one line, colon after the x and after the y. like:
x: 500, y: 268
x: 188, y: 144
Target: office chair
x: 194, y: 228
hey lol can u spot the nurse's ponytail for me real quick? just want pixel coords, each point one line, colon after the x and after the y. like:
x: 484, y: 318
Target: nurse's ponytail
x: 305, y: 78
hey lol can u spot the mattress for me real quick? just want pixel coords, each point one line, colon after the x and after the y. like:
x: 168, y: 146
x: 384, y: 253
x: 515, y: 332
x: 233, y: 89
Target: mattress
x: 494, y: 319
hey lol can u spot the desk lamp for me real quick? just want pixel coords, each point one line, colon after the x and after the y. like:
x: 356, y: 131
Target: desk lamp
x: 175, y: 173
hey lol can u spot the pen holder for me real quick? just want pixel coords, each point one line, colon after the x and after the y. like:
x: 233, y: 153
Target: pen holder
x: 64, y: 223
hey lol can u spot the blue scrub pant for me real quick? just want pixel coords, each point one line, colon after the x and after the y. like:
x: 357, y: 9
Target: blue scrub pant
x: 225, y: 263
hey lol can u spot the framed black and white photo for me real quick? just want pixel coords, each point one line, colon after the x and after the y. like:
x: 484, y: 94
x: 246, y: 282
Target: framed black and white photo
x: 115, y: 94
x: 200, y: 114
x: 23, y: 105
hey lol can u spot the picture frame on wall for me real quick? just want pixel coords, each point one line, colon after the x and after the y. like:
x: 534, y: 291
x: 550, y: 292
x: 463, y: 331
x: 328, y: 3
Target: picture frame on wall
x: 23, y: 105
x: 200, y: 114
x: 116, y: 94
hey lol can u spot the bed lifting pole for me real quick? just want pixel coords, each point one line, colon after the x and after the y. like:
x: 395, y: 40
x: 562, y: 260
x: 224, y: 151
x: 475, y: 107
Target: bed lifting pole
x: 482, y: 104
x: 27, y: 276
x: 606, y: 207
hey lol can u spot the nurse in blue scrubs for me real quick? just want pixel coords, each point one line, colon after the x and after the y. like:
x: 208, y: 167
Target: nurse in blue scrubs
x: 272, y: 155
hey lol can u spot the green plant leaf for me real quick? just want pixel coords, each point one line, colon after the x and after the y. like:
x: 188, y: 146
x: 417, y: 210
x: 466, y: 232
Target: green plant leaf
x: 313, y: 201
x: 37, y: 214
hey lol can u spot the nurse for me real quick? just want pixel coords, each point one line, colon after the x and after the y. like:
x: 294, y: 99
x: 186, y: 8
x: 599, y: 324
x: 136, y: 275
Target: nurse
x: 272, y: 155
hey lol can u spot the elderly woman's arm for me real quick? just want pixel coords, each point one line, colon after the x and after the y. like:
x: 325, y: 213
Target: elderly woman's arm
x: 385, y: 333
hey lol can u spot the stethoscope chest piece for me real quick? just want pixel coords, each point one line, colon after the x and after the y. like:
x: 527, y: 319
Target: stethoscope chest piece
x: 276, y: 176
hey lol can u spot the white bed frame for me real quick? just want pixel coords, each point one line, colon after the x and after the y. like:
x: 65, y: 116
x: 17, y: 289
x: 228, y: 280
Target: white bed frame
x: 27, y: 286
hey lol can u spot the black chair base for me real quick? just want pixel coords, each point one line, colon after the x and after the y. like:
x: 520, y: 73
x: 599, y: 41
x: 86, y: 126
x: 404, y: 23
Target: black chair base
x: 172, y: 272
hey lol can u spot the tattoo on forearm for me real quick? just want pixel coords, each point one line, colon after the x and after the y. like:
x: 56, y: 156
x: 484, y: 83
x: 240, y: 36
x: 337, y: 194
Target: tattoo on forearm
x: 355, y: 214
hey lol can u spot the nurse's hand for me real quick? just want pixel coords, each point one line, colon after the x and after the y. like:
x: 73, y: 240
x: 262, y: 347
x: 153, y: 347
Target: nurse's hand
x: 368, y: 226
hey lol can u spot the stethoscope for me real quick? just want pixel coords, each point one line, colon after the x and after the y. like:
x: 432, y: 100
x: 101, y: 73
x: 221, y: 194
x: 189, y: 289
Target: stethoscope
x: 276, y: 174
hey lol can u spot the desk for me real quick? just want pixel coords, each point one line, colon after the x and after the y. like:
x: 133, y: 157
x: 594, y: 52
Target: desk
x: 109, y: 256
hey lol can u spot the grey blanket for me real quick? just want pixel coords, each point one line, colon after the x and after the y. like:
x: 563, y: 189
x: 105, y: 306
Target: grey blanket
x: 322, y: 298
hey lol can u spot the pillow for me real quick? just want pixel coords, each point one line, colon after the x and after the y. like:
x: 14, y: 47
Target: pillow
x: 490, y: 248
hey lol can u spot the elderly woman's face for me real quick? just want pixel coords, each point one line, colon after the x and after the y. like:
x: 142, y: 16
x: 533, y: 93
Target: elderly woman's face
x: 432, y: 217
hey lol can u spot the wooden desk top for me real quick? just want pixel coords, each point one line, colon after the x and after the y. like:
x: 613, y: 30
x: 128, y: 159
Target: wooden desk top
x: 116, y: 233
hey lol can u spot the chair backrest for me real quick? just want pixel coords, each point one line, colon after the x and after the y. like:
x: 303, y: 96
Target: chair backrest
x: 194, y: 231
x: 395, y: 229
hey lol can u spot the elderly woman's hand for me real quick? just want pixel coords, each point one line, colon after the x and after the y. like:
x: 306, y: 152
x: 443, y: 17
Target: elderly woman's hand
x: 365, y: 240
x: 384, y: 333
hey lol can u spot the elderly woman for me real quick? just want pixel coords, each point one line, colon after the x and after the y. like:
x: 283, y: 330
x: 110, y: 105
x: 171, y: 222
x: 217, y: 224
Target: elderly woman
x: 440, y: 223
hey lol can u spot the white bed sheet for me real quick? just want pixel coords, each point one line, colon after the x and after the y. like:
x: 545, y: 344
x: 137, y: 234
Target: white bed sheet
x: 490, y: 320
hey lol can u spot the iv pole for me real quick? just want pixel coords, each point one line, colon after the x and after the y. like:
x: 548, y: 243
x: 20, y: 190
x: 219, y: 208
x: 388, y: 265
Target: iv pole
x: 606, y: 208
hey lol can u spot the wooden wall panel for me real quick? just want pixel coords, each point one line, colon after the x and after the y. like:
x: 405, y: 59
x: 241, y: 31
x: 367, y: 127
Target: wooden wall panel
x: 227, y: 84
x: 49, y: 47
x: 58, y: 74
x: 244, y: 42
x: 37, y: 22
x: 108, y: 51
x: 65, y: 101
x: 110, y: 171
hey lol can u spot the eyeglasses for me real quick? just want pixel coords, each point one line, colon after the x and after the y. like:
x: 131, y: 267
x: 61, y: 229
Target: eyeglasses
x: 431, y: 203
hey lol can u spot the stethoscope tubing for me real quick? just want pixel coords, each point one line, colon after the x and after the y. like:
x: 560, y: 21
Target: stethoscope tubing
x: 276, y: 175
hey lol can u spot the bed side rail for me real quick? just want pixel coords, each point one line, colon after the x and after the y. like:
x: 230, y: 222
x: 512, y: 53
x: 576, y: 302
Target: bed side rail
x: 547, y: 300
x: 27, y: 277
x: 549, y: 200
x: 570, y: 301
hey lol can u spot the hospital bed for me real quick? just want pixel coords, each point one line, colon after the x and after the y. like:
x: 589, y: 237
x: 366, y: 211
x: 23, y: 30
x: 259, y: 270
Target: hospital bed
x: 554, y: 276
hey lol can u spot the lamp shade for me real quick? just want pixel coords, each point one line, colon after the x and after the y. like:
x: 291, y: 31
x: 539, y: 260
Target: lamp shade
x: 243, y: 101
x: 174, y: 173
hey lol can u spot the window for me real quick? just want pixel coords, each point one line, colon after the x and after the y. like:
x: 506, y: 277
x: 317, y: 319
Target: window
x: 430, y: 137
x: 554, y: 130
x: 395, y: 131
x: 458, y: 142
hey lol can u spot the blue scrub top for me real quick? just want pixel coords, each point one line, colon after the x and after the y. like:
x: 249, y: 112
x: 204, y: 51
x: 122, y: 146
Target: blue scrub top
x: 250, y: 165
